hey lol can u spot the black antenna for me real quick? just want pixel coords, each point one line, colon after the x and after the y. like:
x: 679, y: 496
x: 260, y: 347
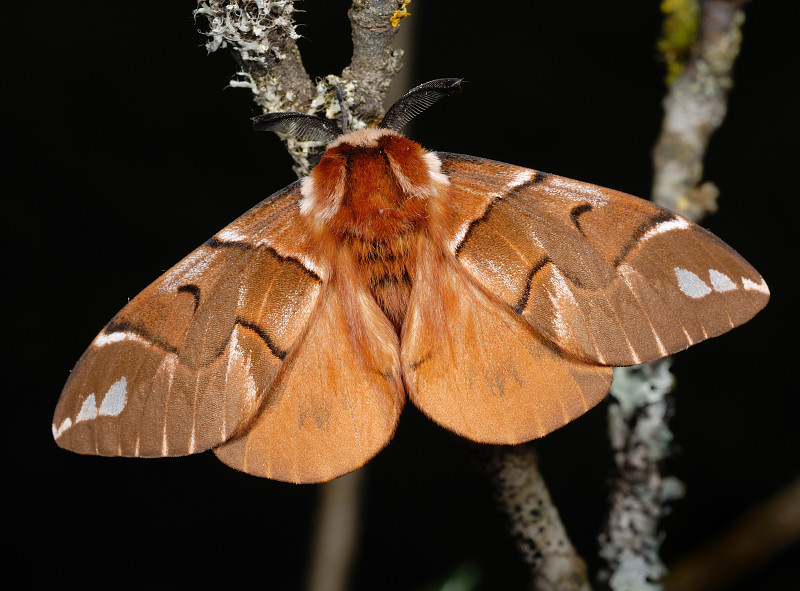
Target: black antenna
x: 416, y: 100
x: 313, y: 127
x: 299, y: 125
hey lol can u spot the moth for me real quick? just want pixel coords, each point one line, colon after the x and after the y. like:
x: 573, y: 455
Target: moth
x: 496, y: 298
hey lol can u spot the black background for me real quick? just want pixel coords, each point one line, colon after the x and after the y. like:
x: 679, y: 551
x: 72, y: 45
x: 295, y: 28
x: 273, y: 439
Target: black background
x: 125, y: 150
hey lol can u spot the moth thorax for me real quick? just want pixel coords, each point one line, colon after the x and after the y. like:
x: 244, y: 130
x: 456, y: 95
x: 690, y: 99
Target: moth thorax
x: 371, y: 183
x: 369, y: 199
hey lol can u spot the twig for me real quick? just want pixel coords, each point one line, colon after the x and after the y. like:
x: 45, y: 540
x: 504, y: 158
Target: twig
x: 755, y: 537
x: 336, y: 533
x: 638, y: 416
x: 533, y: 520
x: 375, y: 62
x: 261, y: 35
x: 694, y: 108
x: 638, y: 425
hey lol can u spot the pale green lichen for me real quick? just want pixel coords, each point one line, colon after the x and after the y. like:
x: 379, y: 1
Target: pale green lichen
x: 264, y: 94
x: 244, y: 25
x: 327, y: 100
x: 641, y: 438
x: 325, y: 104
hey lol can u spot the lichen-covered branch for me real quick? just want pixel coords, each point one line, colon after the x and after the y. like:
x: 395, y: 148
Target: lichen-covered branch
x: 262, y: 37
x: 533, y: 520
x: 638, y: 415
x: 375, y: 62
x: 694, y: 108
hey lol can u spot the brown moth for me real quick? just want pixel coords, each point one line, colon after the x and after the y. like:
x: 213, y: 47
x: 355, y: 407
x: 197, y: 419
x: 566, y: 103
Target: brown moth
x: 497, y: 298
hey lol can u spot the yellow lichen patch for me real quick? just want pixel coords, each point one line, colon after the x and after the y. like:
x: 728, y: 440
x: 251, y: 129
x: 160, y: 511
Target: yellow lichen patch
x: 400, y: 14
x: 681, y: 22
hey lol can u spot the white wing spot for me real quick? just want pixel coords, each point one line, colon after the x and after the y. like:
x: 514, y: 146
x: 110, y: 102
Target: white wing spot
x: 116, y: 337
x: 115, y: 399
x: 664, y: 227
x: 231, y: 235
x: 88, y: 410
x: 720, y: 282
x: 113, y: 403
x: 753, y: 286
x: 519, y: 178
x: 307, y: 201
x: 691, y: 284
x: 58, y: 431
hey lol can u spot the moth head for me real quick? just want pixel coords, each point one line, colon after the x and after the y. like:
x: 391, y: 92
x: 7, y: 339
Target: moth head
x: 375, y: 165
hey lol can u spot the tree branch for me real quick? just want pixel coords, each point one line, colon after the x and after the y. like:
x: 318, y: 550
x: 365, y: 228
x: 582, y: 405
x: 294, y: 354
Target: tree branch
x: 375, y: 63
x: 638, y: 416
x: 336, y: 533
x: 754, y: 538
x: 261, y: 36
x: 694, y: 108
x: 533, y: 520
